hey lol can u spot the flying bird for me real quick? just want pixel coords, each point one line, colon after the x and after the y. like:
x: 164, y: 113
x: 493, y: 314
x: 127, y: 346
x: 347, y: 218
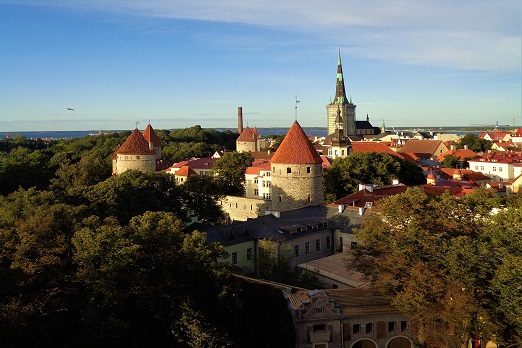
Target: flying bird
x: 70, y: 109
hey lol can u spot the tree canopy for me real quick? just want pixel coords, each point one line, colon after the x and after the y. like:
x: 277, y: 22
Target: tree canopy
x: 448, y: 260
x: 367, y: 168
x: 229, y: 172
x: 474, y: 143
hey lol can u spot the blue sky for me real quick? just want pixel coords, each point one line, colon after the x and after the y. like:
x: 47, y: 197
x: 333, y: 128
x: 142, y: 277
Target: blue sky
x: 180, y: 63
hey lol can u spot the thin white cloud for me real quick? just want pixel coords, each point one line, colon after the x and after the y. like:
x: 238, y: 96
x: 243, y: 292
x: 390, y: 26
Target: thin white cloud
x: 472, y: 34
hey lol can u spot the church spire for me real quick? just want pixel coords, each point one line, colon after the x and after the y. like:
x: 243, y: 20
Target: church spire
x: 340, y: 93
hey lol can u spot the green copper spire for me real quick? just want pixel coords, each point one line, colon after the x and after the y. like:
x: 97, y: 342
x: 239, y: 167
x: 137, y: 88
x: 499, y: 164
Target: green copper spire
x: 340, y: 93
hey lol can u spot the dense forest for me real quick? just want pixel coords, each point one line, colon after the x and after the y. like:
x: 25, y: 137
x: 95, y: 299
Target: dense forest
x: 87, y: 259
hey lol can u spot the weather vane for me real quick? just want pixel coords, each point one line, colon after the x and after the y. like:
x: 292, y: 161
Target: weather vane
x: 296, y: 101
x: 137, y: 123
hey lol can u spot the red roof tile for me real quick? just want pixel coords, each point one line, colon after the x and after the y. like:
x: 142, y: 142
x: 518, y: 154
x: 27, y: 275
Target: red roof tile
x: 372, y: 146
x: 296, y: 148
x: 185, y: 171
x: 151, y: 136
x: 135, y: 144
x: 248, y: 135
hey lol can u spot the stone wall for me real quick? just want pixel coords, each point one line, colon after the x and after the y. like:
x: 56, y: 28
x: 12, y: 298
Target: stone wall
x: 348, y: 115
x: 246, y: 146
x: 296, y: 185
x: 144, y: 163
x: 242, y: 208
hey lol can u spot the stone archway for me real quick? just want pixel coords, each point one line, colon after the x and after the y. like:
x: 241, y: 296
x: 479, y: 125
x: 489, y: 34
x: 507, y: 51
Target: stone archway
x: 399, y: 342
x: 364, y: 343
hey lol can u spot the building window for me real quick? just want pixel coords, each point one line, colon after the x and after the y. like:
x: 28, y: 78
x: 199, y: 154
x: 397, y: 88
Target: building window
x: 201, y: 172
x: 494, y: 169
x: 267, y: 173
x: 356, y: 328
x: 256, y: 192
x: 369, y: 328
x: 137, y: 157
x: 476, y: 167
x: 481, y: 167
x: 499, y: 169
x: 309, y: 199
x: 288, y: 170
x: 256, y: 180
x: 391, y: 326
x: 296, y: 250
x: 249, y: 254
x: 317, y: 244
x: 308, y: 170
x: 319, y: 327
x: 353, y: 245
x: 280, y: 198
x: 404, y: 325
x: 234, y: 257
x: 307, y: 247
x: 328, y: 242
x: 319, y: 310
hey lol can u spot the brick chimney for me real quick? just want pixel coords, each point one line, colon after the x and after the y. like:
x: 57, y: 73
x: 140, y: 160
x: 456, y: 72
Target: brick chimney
x: 240, y: 120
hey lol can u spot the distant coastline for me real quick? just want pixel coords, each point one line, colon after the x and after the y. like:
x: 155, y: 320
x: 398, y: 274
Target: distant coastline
x: 312, y: 131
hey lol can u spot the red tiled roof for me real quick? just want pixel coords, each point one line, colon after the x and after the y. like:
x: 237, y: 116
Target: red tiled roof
x: 185, y: 171
x: 151, y: 136
x: 460, y: 154
x: 296, y: 148
x: 421, y: 146
x: 135, y: 144
x: 258, y: 166
x: 327, y: 162
x: 248, y: 135
x: 361, y: 197
x: 372, y: 146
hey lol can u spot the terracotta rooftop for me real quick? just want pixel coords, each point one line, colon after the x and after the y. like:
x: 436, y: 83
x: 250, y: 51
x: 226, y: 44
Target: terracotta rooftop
x: 371, y: 194
x: 421, y: 146
x: 461, y: 154
x: 248, y: 135
x: 185, y: 171
x: 151, y: 136
x: 135, y: 144
x: 371, y: 146
x: 296, y: 148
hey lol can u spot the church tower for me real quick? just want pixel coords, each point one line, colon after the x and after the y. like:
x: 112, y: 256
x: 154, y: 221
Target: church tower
x: 296, y: 172
x: 340, y: 101
x: 341, y: 145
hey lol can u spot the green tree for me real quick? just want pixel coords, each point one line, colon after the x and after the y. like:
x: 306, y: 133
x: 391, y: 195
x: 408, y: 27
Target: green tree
x: 229, y: 172
x: 369, y: 168
x: 436, y: 256
x: 199, y: 196
x: 474, y: 143
x: 142, y: 282
x: 130, y: 194
x: 450, y: 161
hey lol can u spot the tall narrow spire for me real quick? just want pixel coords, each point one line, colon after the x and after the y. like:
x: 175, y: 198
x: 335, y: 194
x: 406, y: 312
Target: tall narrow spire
x: 340, y: 92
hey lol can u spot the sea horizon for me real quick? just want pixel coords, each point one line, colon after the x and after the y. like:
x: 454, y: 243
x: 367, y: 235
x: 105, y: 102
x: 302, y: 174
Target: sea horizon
x: 265, y: 131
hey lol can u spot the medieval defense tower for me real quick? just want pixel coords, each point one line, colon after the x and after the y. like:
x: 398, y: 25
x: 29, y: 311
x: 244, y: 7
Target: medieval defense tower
x: 296, y: 172
x: 342, y: 103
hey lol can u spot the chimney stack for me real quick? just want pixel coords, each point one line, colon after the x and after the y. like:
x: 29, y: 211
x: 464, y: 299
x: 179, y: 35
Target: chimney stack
x: 240, y: 119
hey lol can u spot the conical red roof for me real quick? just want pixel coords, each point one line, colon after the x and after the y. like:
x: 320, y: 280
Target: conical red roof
x: 135, y: 144
x: 248, y: 135
x: 151, y: 136
x: 296, y: 148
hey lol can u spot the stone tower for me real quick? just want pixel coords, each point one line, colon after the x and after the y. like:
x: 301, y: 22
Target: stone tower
x: 341, y: 145
x: 152, y: 138
x: 135, y: 153
x: 248, y: 141
x: 296, y: 172
x: 340, y: 101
